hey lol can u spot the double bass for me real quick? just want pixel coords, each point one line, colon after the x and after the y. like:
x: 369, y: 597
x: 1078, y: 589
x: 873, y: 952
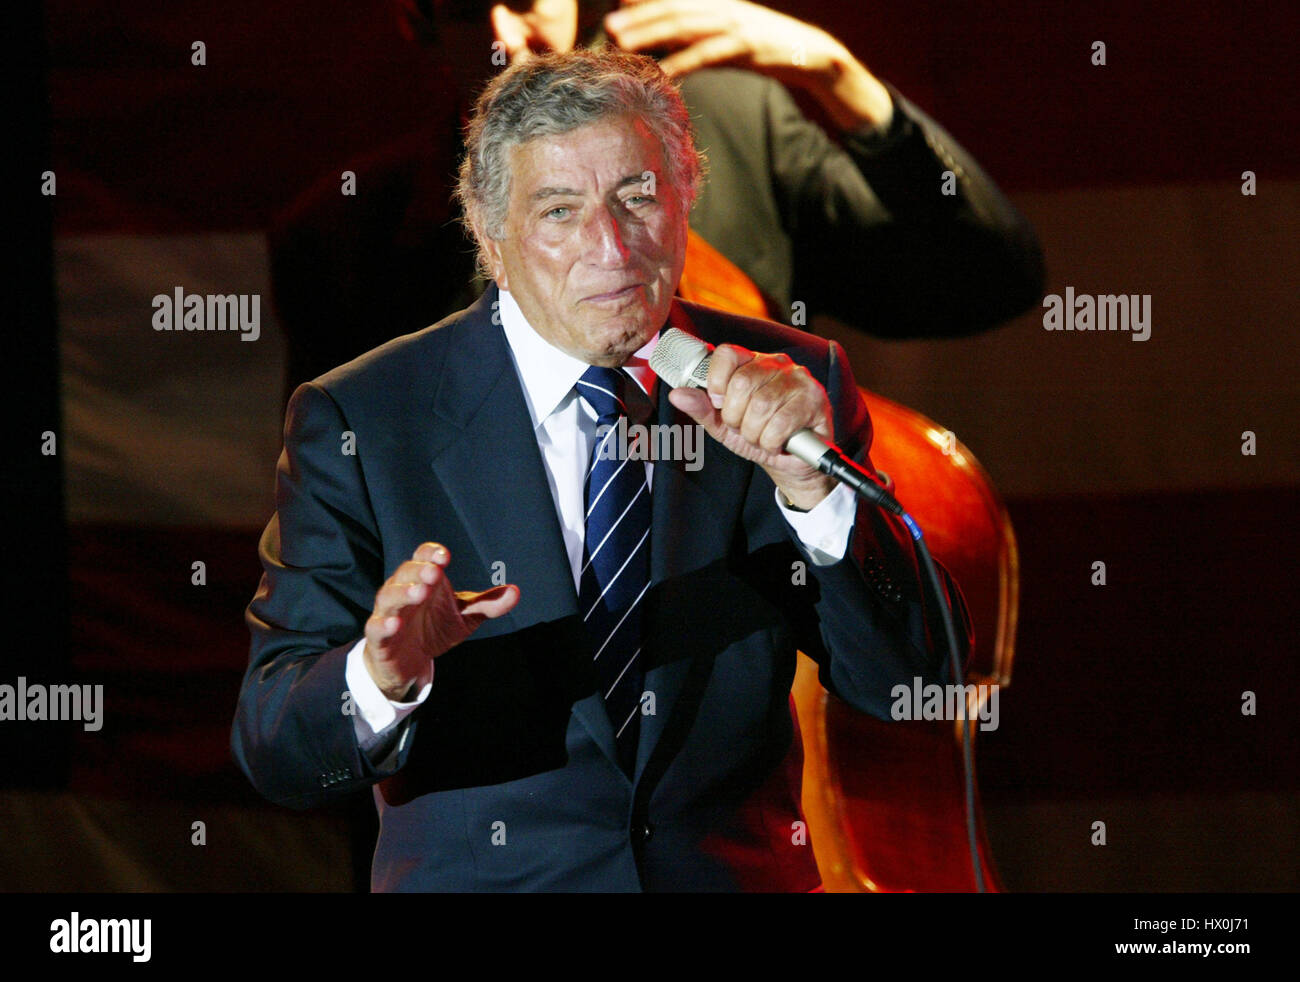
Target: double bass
x: 886, y: 802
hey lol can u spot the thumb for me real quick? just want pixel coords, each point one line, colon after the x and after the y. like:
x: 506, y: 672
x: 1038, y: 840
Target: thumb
x: 699, y: 405
x: 475, y: 608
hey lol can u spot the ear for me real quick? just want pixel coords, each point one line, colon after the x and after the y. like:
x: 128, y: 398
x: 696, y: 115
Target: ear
x: 493, y: 249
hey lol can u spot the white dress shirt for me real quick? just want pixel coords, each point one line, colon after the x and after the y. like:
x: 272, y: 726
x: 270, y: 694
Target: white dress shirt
x: 565, y: 427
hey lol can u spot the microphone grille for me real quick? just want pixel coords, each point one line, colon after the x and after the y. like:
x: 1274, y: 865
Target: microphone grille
x: 681, y: 359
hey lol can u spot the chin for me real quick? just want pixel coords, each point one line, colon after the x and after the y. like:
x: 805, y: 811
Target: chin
x: 616, y: 333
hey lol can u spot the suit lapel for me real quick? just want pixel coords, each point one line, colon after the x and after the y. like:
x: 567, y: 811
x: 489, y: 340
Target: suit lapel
x: 507, y: 509
x: 491, y: 469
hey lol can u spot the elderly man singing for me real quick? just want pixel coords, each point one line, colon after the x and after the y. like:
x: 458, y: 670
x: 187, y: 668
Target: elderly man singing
x: 612, y: 713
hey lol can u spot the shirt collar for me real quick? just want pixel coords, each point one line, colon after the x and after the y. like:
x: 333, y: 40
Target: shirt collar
x: 549, y: 374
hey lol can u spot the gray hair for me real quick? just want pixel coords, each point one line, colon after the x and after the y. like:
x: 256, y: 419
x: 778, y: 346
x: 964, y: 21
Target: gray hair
x: 552, y: 94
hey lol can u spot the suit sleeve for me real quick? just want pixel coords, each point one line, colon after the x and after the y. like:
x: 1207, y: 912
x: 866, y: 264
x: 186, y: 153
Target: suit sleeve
x: 877, y: 242
x: 876, y: 621
x: 293, y: 735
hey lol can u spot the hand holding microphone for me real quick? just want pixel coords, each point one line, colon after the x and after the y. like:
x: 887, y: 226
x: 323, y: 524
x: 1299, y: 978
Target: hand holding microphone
x: 764, y: 408
x: 752, y: 404
x: 771, y: 411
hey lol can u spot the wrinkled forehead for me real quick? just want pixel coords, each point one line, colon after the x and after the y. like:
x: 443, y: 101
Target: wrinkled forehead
x: 610, y: 152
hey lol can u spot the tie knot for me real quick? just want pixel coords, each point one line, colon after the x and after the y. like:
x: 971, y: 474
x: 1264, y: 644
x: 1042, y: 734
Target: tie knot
x: 610, y: 392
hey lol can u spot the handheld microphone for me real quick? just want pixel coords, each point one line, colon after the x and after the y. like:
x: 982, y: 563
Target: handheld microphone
x: 682, y: 361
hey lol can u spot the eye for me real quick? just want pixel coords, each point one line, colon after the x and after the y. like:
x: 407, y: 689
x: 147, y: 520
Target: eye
x: 558, y: 213
x: 636, y: 200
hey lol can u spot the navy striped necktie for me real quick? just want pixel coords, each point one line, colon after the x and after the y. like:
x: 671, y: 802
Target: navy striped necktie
x: 616, y: 554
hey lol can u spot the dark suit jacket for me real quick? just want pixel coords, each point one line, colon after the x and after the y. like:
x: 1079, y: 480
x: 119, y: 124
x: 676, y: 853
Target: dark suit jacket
x: 506, y: 778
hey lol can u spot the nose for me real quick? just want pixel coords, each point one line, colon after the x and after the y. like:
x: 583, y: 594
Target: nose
x: 604, y: 239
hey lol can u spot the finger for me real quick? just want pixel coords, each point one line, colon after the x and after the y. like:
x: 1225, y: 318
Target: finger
x: 744, y: 382
x: 432, y: 552
x: 720, y: 49
x: 399, y: 591
x: 793, y: 413
x: 666, y: 34
x: 510, y: 30
x: 695, y: 403
x: 417, y: 571
x: 478, y: 607
x: 379, y: 630
x: 394, y: 598
x: 768, y: 393
x: 638, y: 15
x: 726, y: 358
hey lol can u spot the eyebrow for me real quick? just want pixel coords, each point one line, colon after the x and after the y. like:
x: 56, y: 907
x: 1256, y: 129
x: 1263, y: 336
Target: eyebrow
x: 541, y: 193
x: 552, y: 192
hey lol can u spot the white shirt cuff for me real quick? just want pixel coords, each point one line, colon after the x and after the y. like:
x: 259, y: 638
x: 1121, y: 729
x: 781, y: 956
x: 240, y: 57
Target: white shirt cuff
x: 824, y: 530
x: 376, y: 715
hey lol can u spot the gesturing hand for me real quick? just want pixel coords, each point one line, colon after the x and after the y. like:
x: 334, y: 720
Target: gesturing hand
x: 418, y: 617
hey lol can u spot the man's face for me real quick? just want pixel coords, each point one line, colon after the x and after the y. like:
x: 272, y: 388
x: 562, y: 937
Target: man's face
x: 594, y: 239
